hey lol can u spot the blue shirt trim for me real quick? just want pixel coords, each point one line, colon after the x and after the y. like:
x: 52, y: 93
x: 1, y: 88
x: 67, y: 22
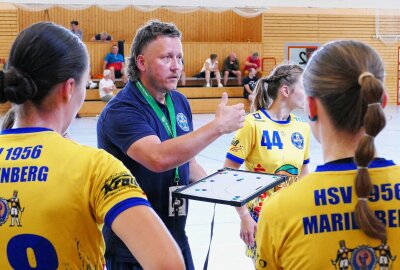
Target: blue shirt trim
x: 25, y: 130
x: 305, y: 162
x: 122, y: 206
x: 234, y: 158
x: 287, y: 121
x: 348, y: 166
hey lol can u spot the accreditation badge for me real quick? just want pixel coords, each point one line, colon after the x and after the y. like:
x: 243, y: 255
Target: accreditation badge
x: 181, y: 202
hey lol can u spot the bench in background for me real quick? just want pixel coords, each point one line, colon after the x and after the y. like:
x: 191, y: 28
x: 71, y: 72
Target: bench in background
x: 201, y: 99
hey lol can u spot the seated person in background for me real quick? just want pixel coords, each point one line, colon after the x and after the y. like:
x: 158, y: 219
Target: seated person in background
x: 75, y: 29
x: 103, y: 36
x: 210, y: 70
x: 249, y: 83
x: 252, y: 61
x: 106, y: 86
x: 232, y: 68
x: 114, y: 61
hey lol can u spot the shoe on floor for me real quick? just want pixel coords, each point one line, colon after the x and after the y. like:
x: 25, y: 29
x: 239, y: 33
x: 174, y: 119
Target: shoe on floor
x: 220, y: 85
x: 208, y: 85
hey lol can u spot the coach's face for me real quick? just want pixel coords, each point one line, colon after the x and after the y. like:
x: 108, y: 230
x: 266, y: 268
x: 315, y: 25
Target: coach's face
x: 162, y: 61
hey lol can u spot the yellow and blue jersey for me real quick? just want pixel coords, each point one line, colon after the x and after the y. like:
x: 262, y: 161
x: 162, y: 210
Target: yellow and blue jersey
x: 269, y: 146
x: 265, y: 145
x: 55, y: 195
x: 311, y: 224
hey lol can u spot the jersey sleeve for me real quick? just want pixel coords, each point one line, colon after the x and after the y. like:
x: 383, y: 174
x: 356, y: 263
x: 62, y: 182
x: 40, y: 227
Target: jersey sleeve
x: 112, y: 189
x: 242, y: 143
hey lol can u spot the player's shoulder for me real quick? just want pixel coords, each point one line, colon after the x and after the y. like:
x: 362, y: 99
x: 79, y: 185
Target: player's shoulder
x: 83, y: 151
x: 289, y: 196
x: 299, y: 122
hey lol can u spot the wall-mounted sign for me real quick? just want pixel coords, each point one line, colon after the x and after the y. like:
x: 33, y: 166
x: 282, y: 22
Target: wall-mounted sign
x: 300, y: 53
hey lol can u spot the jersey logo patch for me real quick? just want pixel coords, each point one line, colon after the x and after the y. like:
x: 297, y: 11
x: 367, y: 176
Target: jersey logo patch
x: 4, y: 211
x: 363, y: 257
x: 182, y: 121
x: 298, y: 140
x: 11, y: 207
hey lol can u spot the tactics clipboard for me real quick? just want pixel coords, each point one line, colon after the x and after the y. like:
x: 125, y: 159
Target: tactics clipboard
x: 230, y: 186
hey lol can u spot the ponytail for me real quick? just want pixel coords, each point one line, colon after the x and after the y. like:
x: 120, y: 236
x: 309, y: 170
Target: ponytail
x: 266, y: 90
x: 374, y: 121
x: 261, y: 99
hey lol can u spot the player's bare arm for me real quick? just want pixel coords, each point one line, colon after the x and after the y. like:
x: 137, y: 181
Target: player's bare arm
x: 139, y: 238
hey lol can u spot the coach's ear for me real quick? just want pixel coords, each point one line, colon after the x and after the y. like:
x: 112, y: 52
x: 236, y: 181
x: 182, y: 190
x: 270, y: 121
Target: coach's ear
x: 140, y: 62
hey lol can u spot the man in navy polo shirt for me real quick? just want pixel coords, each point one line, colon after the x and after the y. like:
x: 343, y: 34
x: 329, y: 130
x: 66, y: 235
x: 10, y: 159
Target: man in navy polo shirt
x: 148, y: 126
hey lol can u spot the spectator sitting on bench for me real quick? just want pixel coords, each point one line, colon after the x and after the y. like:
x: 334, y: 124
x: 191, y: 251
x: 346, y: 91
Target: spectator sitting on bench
x: 106, y: 86
x: 232, y: 68
x: 249, y: 83
x: 252, y: 61
x: 210, y: 70
x: 114, y: 61
x: 103, y: 36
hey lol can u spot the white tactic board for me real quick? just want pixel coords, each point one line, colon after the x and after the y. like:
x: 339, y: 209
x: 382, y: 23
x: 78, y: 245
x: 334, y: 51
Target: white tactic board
x: 230, y: 186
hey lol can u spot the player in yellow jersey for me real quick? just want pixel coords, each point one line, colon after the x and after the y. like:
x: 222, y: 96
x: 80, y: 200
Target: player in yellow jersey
x: 272, y: 140
x: 55, y: 194
x: 346, y: 214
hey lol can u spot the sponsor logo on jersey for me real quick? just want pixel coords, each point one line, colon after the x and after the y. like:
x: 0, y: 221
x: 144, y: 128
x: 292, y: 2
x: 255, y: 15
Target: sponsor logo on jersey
x: 182, y: 121
x: 257, y: 116
x: 235, y: 148
x: 235, y: 142
x: 118, y: 182
x: 298, y: 140
x: 290, y: 171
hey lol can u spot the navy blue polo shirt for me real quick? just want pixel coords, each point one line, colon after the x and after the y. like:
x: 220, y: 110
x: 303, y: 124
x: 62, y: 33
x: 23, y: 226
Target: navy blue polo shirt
x: 127, y: 118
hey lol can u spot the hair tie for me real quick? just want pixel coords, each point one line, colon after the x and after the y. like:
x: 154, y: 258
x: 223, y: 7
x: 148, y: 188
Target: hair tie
x: 360, y: 168
x: 363, y: 199
x: 370, y: 136
x: 364, y: 74
x: 374, y: 104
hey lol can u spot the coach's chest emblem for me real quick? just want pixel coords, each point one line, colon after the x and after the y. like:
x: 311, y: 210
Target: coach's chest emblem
x: 182, y: 121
